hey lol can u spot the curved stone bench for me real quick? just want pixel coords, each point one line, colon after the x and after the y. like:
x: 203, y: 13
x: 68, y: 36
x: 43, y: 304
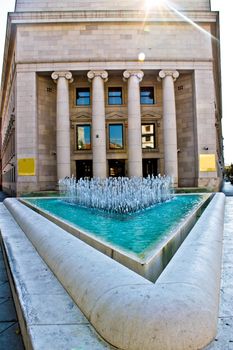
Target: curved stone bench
x: 178, y: 312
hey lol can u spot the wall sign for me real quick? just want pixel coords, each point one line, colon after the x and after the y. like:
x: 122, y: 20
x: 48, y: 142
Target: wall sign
x: 207, y: 162
x: 26, y: 167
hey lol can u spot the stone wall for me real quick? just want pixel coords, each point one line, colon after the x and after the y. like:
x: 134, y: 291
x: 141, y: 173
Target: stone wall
x: 71, y: 5
x: 205, y: 123
x: 47, y: 172
x: 26, y: 127
x: 96, y: 42
x: 186, y: 142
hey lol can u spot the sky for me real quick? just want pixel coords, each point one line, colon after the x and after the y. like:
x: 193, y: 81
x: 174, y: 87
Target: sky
x: 225, y: 7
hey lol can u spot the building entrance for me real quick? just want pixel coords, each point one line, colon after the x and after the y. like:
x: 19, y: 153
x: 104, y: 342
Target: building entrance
x: 150, y: 167
x: 84, y: 168
x: 116, y: 167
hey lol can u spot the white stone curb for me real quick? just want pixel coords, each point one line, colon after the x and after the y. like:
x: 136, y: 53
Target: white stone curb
x: 178, y: 312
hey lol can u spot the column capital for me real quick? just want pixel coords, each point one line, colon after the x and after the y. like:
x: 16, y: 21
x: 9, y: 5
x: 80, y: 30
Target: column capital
x: 62, y: 74
x: 171, y: 73
x: 136, y: 73
x: 98, y: 73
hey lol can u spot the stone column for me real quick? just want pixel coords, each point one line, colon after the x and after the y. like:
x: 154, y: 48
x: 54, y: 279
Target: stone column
x: 168, y: 78
x: 134, y: 122
x: 63, y: 123
x: 98, y: 123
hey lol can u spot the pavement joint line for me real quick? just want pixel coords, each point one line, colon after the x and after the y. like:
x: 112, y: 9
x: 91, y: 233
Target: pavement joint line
x: 11, y: 325
x: 60, y: 324
x: 4, y: 301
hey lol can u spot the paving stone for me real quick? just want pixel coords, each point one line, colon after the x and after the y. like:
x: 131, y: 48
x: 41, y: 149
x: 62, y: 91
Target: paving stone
x: 7, y: 310
x: 5, y: 325
x: 10, y: 338
x: 3, y: 276
x: 5, y: 291
x: 72, y: 337
x: 40, y: 310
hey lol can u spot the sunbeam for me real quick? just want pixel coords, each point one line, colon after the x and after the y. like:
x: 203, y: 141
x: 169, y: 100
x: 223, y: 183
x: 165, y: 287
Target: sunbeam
x: 155, y: 4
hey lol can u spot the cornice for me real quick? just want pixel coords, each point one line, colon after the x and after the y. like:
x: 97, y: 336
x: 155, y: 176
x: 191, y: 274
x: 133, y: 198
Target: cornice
x: 109, y: 16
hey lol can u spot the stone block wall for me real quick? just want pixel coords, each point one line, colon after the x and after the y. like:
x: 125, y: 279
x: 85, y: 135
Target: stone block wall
x: 205, y: 123
x: 26, y: 127
x: 47, y: 172
x: 96, y: 42
x: 187, y: 162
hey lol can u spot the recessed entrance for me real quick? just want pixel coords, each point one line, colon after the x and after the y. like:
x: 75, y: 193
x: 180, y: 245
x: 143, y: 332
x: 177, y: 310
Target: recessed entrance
x: 150, y: 167
x: 84, y: 168
x: 116, y: 167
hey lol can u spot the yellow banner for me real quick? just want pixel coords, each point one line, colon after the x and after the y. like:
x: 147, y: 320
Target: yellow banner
x: 207, y: 162
x: 26, y: 167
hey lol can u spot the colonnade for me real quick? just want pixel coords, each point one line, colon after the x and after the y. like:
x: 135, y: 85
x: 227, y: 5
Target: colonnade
x: 133, y: 78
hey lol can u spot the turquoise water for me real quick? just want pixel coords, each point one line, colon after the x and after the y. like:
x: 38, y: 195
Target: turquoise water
x: 132, y: 233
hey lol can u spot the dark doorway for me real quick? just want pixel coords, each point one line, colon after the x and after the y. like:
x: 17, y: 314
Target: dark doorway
x: 84, y: 168
x: 150, y: 167
x: 116, y: 168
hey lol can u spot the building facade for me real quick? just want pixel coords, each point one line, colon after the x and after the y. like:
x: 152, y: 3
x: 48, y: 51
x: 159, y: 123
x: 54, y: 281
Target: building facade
x: 97, y: 88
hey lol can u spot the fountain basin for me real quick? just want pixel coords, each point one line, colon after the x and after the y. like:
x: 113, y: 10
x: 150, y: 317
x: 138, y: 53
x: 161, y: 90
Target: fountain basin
x: 144, y: 242
x: 178, y: 312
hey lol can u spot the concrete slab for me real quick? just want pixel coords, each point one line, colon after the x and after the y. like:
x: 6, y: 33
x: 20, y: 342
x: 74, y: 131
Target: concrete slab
x: 40, y: 310
x: 65, y: 337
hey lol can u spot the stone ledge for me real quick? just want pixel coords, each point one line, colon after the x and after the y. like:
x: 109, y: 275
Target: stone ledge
x: 179, y: 311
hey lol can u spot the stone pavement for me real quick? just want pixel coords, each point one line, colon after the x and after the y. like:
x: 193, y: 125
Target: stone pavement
x: 224, y: 338
x: 10, y: 338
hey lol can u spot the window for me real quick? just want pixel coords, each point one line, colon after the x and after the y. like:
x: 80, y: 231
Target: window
x: 116, y: 136
x: 148, y: 136
x: 83, y: 137
x: 83, y: 96
x: 115, y: 96
x: 147, y: 95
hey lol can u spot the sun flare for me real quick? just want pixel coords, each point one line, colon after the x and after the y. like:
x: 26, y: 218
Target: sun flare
x: 149, y: 4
